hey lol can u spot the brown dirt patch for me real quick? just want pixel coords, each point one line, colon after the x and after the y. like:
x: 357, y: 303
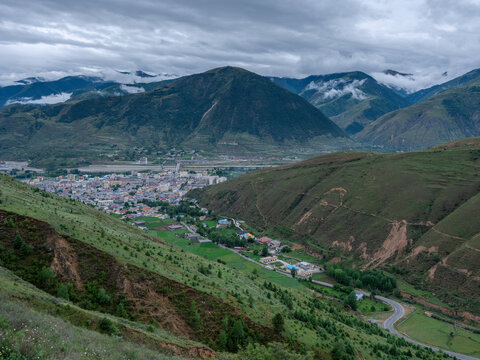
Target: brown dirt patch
x: 65, y: 260
x: 394, y: 245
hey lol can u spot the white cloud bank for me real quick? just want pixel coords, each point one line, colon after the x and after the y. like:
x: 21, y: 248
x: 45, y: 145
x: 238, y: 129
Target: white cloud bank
x: 132, y: 89
x: 339, y: 87
x: 44, y: 100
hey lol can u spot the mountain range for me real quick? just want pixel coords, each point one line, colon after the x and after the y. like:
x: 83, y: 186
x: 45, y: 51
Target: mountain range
x: 352, y: 100
x: 448, y: 113
x: 230, y: 111
x: 227, y: 108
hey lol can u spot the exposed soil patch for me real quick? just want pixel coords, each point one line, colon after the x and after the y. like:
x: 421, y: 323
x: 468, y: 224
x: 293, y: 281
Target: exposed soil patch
x: 393, y: 246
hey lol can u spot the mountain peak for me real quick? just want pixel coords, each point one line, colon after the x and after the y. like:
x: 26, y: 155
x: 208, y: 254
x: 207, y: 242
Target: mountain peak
x: 396, y: 73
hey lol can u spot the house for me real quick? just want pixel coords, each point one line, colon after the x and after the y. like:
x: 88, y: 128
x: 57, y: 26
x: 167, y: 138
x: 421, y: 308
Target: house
x: 268, y: 259
x: 174, y: 227
x: 292, y: 267
x: 264, y: 240
x: 139, y: 223
x: 223, y: 223
x: 359, y: 295
x: 274, y: 243
x: 193, y: 236
x: 305, y: 265
x: 242, y: 234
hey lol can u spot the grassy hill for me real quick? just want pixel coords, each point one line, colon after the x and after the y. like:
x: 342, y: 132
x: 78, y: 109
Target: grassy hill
x: 415, y: 213
x: 71, y: 274
x: 226, y: 110
x: 447, y: 116
x: 352, y: 100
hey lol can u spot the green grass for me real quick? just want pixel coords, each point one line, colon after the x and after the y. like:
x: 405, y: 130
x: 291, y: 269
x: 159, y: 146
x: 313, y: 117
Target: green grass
x: 427, y: 295
x: 153, y: 222
x: 437, y: 333
x: 442, y: 189
x: 367, y: 306
x: 237, y: 286
x: 301, y: 255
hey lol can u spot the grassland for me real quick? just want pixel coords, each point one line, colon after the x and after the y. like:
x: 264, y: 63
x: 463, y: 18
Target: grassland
x: 159, y: 272
x: 441, y: 334
x: 349, y: 204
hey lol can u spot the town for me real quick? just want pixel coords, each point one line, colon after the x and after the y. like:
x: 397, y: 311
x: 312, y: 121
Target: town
x: 134, y: 195
x: 158, y: 195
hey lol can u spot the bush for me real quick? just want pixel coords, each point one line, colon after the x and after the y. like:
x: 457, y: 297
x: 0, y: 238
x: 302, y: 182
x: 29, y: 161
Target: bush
x: 65, y: 291
x: 278, y: 323
x: 103, y: 297
x: 108, y: 327
x: 21, y: 246
x: 45, y: 278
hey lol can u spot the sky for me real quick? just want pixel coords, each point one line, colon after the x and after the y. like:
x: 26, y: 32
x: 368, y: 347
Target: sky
x: 293, y: 38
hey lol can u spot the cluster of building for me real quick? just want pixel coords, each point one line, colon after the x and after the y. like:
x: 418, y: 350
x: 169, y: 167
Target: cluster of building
x: 129, y: 195
x: 301, y: 269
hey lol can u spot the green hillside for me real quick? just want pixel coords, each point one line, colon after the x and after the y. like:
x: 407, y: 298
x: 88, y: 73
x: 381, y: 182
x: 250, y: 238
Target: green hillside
x: 226, y: 110
x: 71, y: 273
x: 352, y: 100
x: 447, y: 116
x: 415, y: 213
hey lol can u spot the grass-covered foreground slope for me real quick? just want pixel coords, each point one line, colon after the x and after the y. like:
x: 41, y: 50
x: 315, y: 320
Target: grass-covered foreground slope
x: 82, y: 273
x: 416, y: 211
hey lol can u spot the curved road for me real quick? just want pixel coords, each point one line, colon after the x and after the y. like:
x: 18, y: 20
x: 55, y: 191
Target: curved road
x: 399, y: 310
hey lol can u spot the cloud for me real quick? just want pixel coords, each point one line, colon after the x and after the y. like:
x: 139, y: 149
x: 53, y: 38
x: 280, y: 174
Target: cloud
x: 270, y: 37
x: 44, y: 100
x: 132, y: 89
x: 414, y: 82
x: 339, y: 87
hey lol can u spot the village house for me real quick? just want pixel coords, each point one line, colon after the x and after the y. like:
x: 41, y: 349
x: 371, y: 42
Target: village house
x: 274, y: 244
x: 223, y: 223
x: 264, y: 240
x: 194, y: 236
x: 174, y: 227
x: 268, y: 259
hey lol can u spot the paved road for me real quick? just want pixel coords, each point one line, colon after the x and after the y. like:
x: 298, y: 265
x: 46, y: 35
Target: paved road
x: 399, y: 312
x: 398, y: 309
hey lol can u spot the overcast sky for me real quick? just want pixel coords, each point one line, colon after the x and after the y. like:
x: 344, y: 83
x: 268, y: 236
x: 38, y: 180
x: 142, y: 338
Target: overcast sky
x: 271, y: 37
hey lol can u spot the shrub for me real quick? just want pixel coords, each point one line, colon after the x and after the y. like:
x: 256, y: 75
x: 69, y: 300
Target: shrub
x: 108, y: 327
x: 103, y: 297
x: 278, y: 323
x: 45, y: 278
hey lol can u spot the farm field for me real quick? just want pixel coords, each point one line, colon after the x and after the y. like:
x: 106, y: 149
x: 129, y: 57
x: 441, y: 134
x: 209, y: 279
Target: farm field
x: 439, y: 333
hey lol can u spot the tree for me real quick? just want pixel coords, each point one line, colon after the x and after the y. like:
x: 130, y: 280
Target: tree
x: 339, y: 351
x: 107, y: 326
x: 278, y: 323
x: 265, y: 251
x: 45, y: 278
x: 351, y: 300
x: 222, y: 340
x: 293, y: 271
x: 237, y: 335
